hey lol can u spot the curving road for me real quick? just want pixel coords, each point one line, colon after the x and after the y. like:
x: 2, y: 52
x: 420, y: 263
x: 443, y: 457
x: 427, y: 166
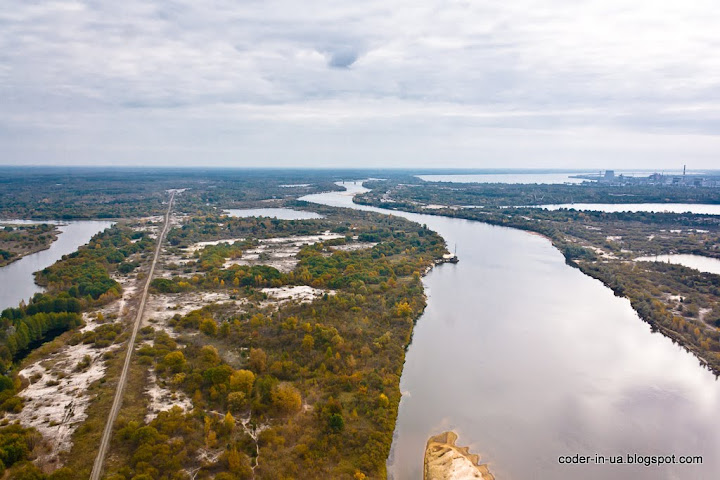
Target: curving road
x: 117, y: 401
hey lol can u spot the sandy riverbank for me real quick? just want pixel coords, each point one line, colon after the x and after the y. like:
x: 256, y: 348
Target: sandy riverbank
x: 446, y: 461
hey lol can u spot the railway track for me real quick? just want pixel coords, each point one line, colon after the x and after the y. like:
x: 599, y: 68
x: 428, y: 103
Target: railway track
x: 117, y: 401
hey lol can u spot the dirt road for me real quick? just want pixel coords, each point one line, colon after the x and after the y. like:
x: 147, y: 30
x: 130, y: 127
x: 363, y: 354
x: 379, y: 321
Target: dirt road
x: 112, y: 416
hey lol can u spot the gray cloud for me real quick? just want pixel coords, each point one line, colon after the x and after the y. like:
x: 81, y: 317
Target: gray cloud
x: 343, y: 58
x: 470, y: 82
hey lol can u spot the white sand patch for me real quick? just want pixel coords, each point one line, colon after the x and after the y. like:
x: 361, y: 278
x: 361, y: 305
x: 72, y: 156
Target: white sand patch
x: 613, y: 238
x: 128, y: 293
x: 153, y: 219
x: 150, y: 225
x: 162, y: 307
x: 254, y: 433
x: 300, y: 293
x: 434, y: 207
x: 177, y: 219
x: 161, y: 399
x: 349, y: 247
x: 57, y: 400
x: 300, y: 240
x: 279, y: 252
x: 601, y: 252
x: 278, y: 256
x: 209, y: 457
x: 200, y: 245
x: 116, y: 309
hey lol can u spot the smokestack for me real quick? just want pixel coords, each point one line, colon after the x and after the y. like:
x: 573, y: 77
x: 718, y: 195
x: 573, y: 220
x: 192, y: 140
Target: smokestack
x: 684, y: 170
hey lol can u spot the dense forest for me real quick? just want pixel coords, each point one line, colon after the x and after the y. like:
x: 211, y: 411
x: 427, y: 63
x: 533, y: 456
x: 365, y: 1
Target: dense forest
x: 81, y: 193
x: 277, y: 388
x: 412, y: 191
x: 315, y: 389
x: 79, y: 282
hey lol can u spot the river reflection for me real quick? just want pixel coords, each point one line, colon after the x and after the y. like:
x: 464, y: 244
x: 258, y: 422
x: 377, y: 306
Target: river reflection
x: 17, y: 281
x: 529, y: 359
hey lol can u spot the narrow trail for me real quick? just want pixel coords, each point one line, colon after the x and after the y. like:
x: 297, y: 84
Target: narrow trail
x: 115, y: 409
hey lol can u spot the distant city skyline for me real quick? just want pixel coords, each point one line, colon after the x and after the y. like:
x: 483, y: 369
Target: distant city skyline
x: 566, y: 85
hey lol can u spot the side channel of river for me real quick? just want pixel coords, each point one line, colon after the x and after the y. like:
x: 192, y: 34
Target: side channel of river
x: 17, y: 281
x: 528, y: 360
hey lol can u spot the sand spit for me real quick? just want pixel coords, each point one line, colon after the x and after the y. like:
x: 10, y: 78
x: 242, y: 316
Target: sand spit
x: 446, y: 461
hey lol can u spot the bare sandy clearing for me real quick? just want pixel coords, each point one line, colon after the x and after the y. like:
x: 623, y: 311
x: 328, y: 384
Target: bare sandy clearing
x: 301, y: 240
x: 57, y: 400
x: 350, y: 247
x: 161, y: 398
x: 281, y: 257
x: 300, y: 293
x: 162, y: 307
x: 277, y: 252
x: 200, y: 245
x: 599, y: 251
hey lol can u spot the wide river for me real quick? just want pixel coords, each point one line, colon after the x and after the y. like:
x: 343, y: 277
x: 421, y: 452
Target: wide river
x: 527, y: 359
x: 17, y: 281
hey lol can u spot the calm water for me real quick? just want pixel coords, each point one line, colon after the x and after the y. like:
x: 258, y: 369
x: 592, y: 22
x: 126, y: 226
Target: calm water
x: 536, y: 177
x: 640, y: 207
x: 17, y: 281
x: 279, y: 213
x: 504, y: 178
x: 698, y: 262
x: 529, y: 359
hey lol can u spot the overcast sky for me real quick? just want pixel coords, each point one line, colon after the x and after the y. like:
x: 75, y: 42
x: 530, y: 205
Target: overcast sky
x: 485, y: 84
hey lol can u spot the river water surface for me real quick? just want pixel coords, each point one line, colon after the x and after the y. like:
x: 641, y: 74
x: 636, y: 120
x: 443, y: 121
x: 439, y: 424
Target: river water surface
x: 697, y: 208
x: 542, y: 178
x: 527, y: 359
x: 279, y: 213
x: 698, y: 262
x: 17, y: 281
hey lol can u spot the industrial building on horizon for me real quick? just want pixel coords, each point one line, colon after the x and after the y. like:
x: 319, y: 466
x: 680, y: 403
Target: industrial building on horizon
x: 692, y: 180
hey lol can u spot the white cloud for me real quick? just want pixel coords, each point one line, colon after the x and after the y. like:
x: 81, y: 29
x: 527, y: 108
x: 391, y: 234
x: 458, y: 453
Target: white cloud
x: 465, y: 83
